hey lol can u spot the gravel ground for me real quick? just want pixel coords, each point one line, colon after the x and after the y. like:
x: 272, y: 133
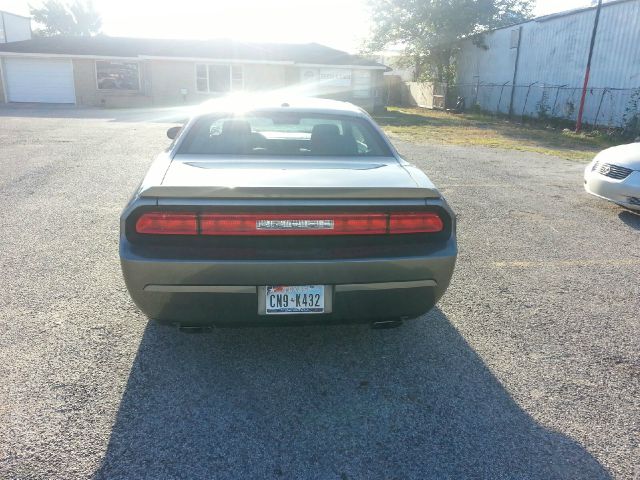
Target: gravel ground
x: 528, y: 369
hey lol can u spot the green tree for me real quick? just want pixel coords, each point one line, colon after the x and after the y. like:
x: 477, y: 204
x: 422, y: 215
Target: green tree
x: 70, y: 19
x: 429, y: 30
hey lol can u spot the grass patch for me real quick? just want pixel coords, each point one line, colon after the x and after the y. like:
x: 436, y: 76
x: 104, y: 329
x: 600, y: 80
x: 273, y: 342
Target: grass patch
x: 421, y: 125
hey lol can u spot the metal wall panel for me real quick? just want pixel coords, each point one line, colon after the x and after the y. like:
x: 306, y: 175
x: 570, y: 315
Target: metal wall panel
x: 16, y: 28
x: 553, y: 57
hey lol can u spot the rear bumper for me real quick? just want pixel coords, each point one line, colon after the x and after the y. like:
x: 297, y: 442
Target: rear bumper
x: 196, y: 292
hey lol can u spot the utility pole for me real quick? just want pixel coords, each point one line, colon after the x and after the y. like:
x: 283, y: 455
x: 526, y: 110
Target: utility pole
x: 4, y: 28
x: 515, y: 72
x: 588, y: 71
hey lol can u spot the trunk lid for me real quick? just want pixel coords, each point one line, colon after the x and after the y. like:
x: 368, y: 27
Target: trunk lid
x: 191, y: 176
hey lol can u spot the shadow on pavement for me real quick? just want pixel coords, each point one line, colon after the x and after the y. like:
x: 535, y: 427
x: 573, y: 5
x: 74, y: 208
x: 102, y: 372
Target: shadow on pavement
x: 339, y: 402
x: 630, y: 218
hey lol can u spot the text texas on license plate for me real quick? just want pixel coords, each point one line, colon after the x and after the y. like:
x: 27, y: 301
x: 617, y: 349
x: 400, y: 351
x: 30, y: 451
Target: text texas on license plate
x: 294, y: 299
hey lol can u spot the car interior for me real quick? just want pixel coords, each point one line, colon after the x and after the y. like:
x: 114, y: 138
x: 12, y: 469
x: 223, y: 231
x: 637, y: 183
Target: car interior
x: 240, y: 137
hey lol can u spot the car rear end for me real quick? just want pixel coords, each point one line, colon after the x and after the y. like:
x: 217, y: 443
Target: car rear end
x: 271, y: 237
x: 206, y: 263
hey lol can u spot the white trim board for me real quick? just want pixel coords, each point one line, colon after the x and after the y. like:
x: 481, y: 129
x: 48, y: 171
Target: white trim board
x: 193, y: 59
x: 3, y: 81
x: 351, y: 67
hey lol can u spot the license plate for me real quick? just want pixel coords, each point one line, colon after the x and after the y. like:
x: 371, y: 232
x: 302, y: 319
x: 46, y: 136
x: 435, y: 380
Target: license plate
x: 283, y: 300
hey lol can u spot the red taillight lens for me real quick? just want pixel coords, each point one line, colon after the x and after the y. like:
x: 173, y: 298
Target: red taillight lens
x: 292, y: 224
x: 175, y: 223
x: 303, y: 224
x: 423, y: 222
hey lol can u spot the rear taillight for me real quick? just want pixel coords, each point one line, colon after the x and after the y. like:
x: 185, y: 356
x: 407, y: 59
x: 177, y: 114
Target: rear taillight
x: 423, y: 222
x: 303, y: 224
x: 168, y: 223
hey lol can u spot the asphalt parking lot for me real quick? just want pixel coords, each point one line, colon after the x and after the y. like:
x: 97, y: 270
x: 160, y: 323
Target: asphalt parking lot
x: 528, y: 369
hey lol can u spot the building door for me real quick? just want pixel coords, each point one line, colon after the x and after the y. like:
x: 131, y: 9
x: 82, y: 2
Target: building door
x: 39, y: 80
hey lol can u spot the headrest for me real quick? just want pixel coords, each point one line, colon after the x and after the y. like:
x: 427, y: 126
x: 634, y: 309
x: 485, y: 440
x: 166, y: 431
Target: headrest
x: 236, y: 128
x: 325, y: 130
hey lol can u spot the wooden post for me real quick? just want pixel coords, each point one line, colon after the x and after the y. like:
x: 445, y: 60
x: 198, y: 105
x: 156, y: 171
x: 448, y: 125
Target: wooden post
x: 515, y: 72
x: 588, y: 71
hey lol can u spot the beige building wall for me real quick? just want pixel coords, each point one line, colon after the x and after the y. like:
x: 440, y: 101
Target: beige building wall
x: 174, y: 82
x: 373, y: 102
x: 87, y: 93
x: 264, y: 77
x: 167, y: 79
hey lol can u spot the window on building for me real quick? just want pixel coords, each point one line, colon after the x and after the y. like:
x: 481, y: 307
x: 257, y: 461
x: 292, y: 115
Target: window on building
x: 219, y: 78
x: 117, y: 75
x: 361, y: 84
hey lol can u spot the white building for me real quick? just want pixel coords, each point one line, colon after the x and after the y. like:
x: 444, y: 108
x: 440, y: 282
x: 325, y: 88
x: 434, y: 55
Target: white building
x: 547, y: 57
x: 14, y: 28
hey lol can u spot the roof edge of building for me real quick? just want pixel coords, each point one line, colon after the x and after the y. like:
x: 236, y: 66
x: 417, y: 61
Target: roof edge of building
x: 546, y: 18
x: 33, y: 48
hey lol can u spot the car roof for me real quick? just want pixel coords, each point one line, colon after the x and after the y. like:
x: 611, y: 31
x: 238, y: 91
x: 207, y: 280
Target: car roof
x: 250, y: 103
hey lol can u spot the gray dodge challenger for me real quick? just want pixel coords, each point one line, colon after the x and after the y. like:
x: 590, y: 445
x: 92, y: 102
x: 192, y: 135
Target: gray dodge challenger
x: 285, y: 213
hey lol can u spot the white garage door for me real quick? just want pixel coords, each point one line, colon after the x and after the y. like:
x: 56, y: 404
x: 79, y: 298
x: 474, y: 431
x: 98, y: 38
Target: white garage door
x: 42, y: 81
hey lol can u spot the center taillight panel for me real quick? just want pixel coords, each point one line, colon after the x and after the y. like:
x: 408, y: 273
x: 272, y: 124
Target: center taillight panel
x: 294, y: 224
x: 289, y: 224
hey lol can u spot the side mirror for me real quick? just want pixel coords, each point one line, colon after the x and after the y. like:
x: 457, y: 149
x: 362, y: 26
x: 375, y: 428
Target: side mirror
x: 173, y: 132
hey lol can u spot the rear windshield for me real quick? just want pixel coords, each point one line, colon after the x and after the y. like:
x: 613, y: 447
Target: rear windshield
x: 294, y: 134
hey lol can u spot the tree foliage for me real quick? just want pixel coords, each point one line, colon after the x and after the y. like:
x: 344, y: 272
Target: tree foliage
x: 79, y: 18
x: 429, y: 30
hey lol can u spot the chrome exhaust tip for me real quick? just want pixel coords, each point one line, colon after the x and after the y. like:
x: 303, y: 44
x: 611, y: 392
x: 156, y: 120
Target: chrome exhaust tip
x: 386, y: 324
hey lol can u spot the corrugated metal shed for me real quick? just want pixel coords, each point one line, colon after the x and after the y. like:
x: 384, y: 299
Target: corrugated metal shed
x: 552, y: 62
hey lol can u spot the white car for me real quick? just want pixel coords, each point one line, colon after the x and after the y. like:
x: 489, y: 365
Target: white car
x: 614, y: 174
